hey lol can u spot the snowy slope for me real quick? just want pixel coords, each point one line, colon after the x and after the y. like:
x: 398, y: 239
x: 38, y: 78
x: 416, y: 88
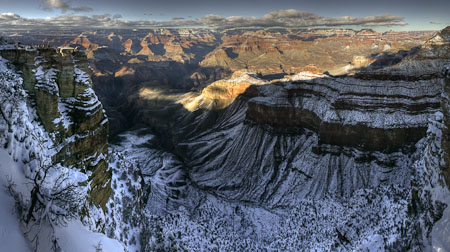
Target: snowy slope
x: 11, y: 236
x: 441, y: 232
x: 74, y: 237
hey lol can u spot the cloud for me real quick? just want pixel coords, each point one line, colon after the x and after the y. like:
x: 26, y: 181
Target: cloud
x: 280, y: 18
x: 64, y: 6
x: 117, y: 16
x: 435, y: 23
x: 300, y: 19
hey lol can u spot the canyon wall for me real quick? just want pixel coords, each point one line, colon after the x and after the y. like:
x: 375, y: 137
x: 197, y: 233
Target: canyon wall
x: 58, y: 82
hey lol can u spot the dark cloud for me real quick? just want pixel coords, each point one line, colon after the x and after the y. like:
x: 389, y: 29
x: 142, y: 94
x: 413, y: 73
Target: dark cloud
x: 280, y: 18
x: 64, y: 6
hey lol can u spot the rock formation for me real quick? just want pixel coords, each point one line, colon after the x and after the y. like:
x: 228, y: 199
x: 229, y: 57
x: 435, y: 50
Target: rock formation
x: 58, y: 80
x: 272, y: 144
x: 312, y: 134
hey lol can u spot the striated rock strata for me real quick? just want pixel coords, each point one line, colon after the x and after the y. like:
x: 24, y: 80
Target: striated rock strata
x: 309, y: 136
x: 368, y: 115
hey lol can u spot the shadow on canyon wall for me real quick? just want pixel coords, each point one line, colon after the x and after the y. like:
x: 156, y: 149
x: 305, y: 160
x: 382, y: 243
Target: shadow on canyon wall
x: 122, y: 92
x: 388, y: 59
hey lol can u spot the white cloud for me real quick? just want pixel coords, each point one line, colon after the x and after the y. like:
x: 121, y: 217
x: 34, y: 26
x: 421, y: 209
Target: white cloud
x: 280, y: 18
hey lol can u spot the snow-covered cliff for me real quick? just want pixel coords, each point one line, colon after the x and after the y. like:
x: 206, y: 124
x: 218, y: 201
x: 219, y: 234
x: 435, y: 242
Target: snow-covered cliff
x: 53, y: 152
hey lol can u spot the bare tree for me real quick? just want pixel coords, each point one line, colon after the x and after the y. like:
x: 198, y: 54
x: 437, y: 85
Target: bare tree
x: 54, y: 200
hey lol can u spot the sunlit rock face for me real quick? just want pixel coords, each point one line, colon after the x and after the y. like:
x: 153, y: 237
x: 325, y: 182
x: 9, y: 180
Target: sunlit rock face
x: 58, y: 80
x: 222, y: 93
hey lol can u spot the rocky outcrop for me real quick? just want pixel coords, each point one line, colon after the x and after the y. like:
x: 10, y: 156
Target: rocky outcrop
x: 125, y: 61
x: 58, y: 80
x: 310, y: 135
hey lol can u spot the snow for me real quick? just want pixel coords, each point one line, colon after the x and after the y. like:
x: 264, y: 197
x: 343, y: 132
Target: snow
x: 374, y: 243
x: 11, y: 236
x: 441, y: 232
x: 370, y: 218
x: 24, y: 147
x: 76, y: 237
x: 64, y: 117
x: 369, y: 214
x: 81, y: 76
x: 377, y: 110
x: 46, y: 78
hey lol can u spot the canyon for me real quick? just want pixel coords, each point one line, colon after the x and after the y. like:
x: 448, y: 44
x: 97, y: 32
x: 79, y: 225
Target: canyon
x: 249, y: 139
x: 181, y: 60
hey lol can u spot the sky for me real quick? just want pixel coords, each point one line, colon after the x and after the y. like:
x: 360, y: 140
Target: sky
x: 376, y: 14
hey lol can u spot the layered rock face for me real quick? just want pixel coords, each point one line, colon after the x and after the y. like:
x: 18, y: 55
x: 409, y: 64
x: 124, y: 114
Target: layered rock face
x: 58, y: 80
x: 446, y: 130
x: 310, y: 136
x: 220, y: 94
x: 368, y: 115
